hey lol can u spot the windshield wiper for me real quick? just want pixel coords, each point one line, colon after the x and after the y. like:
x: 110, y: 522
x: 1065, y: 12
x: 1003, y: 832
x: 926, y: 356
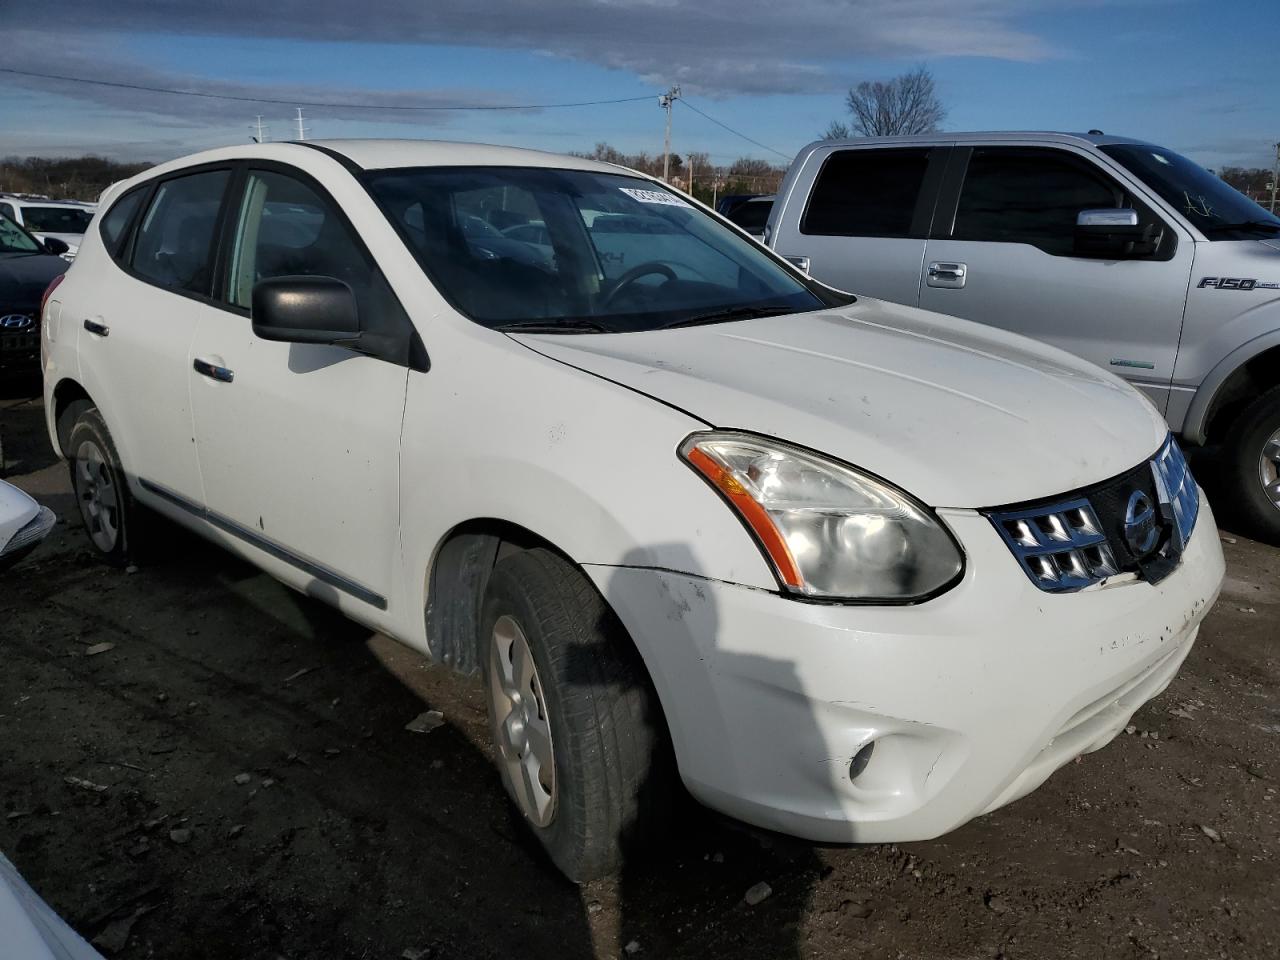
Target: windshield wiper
x: 728, y: 315
x: 567, y: 325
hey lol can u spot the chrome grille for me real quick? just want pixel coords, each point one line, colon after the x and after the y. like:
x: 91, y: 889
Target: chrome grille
x: 1061, y: 546
x: 1081, y: 538
x: 1176, y: 490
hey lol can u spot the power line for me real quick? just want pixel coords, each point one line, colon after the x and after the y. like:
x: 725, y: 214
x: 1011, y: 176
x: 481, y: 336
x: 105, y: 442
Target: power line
x: 736, y: 133
x: 317, y: 103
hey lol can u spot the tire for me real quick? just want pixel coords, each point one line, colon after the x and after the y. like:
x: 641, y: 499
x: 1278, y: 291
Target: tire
x: 610, y: 752
x: 98, y: 482
x: 1252, y: 467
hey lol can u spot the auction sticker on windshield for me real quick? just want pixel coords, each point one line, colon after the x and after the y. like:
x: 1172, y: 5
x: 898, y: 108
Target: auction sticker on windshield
x: 653, y: 196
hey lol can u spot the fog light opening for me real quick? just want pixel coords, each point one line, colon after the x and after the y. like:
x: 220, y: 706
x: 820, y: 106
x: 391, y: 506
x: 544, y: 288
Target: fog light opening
x: 860, y: 760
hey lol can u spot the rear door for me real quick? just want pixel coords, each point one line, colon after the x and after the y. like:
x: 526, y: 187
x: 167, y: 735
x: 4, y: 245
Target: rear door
x: 1002, y: 253
x: 299, y: 444
x: 858, y: 217
x: 136, y: 320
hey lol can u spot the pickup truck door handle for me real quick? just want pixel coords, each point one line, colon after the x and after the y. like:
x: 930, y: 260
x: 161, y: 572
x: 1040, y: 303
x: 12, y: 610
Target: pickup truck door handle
x: 947, y: 274
x: 96, y: 328
x: 213, y: 371
x: 800, y: 263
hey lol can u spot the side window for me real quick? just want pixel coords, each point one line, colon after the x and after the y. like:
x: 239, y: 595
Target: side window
x: 284, y: 228
x: 866, y: 193
x: 174, y: 248
x: 6, y: 210
x: 118, y: 217
x: 1029, y: 196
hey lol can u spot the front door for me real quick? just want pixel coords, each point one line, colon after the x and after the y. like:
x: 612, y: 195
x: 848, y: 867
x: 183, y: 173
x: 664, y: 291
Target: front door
x: 299, y: 444
x: 1003, y: 254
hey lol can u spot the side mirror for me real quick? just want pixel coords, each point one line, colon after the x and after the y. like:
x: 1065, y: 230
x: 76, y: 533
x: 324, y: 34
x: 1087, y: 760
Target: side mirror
x: 56, y: 246
x: 305, y: 310
x: 1114, y: 233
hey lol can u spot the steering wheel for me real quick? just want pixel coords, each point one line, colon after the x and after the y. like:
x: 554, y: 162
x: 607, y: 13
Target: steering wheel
x: 634, y: 274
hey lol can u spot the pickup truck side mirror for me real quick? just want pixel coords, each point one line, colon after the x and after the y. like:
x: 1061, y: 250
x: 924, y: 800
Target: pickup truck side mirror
x: 306, y: 310
x: 1115, y: 234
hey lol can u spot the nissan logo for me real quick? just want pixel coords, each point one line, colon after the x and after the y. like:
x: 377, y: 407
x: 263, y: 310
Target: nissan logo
x: 1141, y: 529
x: 15, y: 321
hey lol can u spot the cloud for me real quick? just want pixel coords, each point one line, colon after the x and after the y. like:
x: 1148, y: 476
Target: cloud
x: 714, y: 47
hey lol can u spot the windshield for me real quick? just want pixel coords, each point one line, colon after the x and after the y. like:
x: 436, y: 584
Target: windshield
x: 13, y: 239
x: 56, y: 219
x: 1218, y: 209
x: 580, y: 251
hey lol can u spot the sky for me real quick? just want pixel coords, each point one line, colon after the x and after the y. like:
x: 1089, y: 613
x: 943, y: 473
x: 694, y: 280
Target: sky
x: 1187, y: 74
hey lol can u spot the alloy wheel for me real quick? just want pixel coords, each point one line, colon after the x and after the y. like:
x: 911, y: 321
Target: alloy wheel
x: 1269, y: 469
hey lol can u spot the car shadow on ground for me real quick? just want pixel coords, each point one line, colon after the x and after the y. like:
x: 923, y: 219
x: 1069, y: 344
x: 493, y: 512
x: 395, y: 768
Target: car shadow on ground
x: 263, y: 797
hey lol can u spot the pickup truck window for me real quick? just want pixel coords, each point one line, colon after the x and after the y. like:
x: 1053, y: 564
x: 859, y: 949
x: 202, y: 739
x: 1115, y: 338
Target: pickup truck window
x: 1016, y: 195
x: 866, y: 193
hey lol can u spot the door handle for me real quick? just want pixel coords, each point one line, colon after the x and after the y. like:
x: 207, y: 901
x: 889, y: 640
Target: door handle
x: 213, y: 371
x: 947, y: 274
x: 800, y: 263
x: 96, y: 328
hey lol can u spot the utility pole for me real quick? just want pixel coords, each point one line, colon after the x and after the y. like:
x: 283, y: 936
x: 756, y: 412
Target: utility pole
x: 666, y: 101
x: 302, y: 131
x: 261, y: 136
x: 1275, y: 175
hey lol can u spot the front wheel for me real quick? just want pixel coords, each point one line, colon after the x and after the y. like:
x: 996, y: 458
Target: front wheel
x: 580, y: 741
x: 1253, y: 466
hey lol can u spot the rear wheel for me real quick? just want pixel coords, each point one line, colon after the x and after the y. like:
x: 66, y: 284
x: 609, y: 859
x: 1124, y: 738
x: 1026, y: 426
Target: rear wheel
x: 1253, y: 466
x: 580, y: 741
x: 98, y: 481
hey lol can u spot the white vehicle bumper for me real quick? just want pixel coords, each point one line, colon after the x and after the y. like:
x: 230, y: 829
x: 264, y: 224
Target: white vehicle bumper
x: 972, y: 699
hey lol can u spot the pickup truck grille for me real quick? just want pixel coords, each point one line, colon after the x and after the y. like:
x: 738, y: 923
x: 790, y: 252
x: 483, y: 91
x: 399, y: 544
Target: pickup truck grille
x: 1139, y: 522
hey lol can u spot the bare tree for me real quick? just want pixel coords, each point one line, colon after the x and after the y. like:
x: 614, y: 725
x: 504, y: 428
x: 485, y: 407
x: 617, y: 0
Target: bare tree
x: 836, y: 130
x: 888, y: 108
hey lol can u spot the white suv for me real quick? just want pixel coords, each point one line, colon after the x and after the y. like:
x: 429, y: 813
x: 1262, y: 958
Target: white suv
x: 62, y: 221
x: 848, y: 571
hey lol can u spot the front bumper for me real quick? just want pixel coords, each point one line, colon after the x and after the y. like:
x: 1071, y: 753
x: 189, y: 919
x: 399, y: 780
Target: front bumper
x: 972, y: 699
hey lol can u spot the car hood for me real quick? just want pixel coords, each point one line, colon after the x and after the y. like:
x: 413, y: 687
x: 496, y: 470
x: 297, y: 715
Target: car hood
x: 958, y: 414
x: 23, y: 278
x: 16, y: 511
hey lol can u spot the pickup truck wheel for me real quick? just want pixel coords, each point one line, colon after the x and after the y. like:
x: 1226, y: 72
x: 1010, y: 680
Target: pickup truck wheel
x: 578, y: 736
x: 1253, y: 466
x: 98, y: 480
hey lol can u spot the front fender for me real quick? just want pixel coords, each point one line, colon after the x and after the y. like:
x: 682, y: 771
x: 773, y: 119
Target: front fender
x: 1195, y: 426
x: 583, y: 463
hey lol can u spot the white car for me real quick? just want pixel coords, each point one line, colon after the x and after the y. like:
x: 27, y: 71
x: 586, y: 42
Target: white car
x: 62, y: 221
x: 23, y: 524
x: 852, y: 571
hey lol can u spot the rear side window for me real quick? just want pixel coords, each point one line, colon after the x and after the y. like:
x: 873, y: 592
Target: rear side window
x: 118, y: 217
x: 866, y: 193
x: 1029, y: 196
x: 174, y: 246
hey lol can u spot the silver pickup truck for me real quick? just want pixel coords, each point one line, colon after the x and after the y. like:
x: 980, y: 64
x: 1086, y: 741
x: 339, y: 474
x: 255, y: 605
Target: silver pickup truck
x: 1122, y: 252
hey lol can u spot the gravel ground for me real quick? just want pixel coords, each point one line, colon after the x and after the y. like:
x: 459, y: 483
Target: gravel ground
x: 233, y: 778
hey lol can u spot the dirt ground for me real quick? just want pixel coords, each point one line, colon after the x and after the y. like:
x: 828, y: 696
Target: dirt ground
x: 246, y: 788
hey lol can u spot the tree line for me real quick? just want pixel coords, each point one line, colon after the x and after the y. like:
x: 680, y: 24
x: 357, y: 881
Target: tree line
x: 64, y: 178
x: 710, y: 181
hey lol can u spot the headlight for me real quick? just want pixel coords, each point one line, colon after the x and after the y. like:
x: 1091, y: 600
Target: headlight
x: 828, y: 530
